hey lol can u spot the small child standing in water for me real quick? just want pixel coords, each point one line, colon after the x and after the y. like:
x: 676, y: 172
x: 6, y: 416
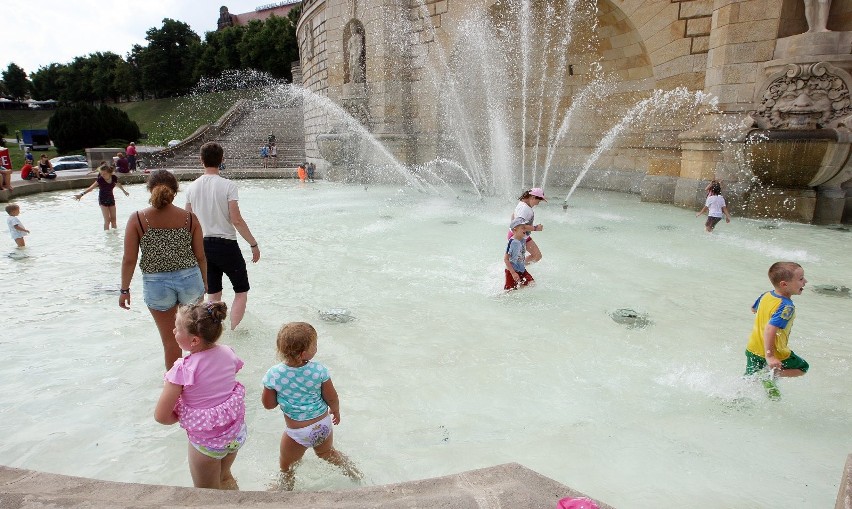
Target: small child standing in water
x: 16, y: 229
x: 715, y: 207
x: 515, y: 257
x: 105, y: 183
x: 303, y: 390
x: 202, y: 393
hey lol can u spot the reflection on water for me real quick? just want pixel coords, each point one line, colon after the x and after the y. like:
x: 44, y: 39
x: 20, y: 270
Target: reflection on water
x: 442, y: 371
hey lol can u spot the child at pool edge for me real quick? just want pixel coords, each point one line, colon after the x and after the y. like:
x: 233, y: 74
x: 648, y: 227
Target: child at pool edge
x: 715, y: 207
x: 774, y: 314
x: 16, y: 229
x: 310, y: 407
x: 202, y: 393
x: 515, y: 257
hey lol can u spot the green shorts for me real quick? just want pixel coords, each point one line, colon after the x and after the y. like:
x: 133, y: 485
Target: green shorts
x: 755, y: 363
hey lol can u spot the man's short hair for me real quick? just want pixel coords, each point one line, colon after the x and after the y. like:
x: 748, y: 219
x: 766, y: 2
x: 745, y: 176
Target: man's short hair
x: 11, y: 207
x: 212, y: 154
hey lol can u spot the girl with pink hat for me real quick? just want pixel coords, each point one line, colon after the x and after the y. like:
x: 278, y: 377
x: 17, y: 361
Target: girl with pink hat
x: 524, y: 210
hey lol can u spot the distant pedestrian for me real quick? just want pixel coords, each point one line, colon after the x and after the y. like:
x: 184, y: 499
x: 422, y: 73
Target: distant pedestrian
x: 311, y: 169
x: 273, y: 154
x: 264, y: 156
x: 131, y: 156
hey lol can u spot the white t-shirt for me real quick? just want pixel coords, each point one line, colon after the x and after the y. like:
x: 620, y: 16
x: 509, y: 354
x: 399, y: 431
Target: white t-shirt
x: 525, y: 211
x: 714, y: 205
x: 208, y: 196
x: 12, y: 221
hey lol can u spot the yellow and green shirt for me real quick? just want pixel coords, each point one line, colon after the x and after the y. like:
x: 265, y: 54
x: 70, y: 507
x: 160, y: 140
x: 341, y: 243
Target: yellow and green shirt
x: 772, y: 309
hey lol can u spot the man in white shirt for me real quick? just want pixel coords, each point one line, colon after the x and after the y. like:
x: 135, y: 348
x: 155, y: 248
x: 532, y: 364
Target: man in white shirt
x: 214, y: 200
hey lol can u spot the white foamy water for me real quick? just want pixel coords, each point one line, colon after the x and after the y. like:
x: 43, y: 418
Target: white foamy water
x: 441, y: 371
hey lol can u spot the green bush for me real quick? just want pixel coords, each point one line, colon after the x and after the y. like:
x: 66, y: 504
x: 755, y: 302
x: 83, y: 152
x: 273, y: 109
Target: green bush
x: 82, y: 125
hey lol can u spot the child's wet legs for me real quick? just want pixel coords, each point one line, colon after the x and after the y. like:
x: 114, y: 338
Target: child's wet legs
x: 107, y: 219
x: 226, y: 478
x: 291, y: 453
x: 206, y: 471
x: 112, y: 217
x: 533, y: 252
x: 327, y: 452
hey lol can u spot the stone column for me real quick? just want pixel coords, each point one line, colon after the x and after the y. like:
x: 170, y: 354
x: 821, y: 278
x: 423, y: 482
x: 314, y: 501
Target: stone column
x: 742, y: 36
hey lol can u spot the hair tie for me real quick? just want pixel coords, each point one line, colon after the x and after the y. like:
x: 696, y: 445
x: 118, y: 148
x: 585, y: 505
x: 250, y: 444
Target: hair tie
x: 209, y: 308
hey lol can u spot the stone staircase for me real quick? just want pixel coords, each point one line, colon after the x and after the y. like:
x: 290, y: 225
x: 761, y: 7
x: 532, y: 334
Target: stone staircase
x: 241, y: 131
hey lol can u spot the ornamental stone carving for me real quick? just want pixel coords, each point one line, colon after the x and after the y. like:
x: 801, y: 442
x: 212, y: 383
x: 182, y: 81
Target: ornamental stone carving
x: 811, y: 96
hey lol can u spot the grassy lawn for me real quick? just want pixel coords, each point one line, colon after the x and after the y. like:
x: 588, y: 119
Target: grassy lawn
x: 174, y: 118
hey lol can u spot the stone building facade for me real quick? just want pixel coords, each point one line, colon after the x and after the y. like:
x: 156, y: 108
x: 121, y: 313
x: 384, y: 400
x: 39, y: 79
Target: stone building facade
x: 262, y: 12
x: 384, y: 62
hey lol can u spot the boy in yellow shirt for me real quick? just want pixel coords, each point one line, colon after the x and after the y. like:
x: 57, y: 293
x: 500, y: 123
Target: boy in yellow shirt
x: 774, y: 314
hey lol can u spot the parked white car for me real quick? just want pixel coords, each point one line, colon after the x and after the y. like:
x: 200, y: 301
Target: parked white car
x: 173, y: 143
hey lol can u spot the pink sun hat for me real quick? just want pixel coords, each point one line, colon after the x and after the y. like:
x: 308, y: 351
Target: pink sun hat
x: 577, y: 503
x: 538, y: 193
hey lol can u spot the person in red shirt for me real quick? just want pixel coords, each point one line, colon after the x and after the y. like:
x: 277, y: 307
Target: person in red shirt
x: 131, y: 156
x: 28, y: 173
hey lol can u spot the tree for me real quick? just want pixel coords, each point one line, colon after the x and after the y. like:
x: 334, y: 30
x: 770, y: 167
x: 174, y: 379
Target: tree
x: 16, y: 83
x: 168, y: 62
x: 270, y: 46
x: 82, y: 125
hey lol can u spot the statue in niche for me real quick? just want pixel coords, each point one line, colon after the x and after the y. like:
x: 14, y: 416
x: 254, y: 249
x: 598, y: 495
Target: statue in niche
x: 225, y: 18
x: 816, y: 12
x: 307, y: 45
x: 804, y: 97
x: 355, y: 56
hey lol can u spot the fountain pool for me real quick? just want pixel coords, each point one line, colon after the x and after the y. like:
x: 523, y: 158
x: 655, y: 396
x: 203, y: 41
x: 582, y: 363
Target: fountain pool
x: 440, y: 371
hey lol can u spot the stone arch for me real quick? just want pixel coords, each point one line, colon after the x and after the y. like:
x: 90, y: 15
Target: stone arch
x: 565, y: 49
x: 354, y: 52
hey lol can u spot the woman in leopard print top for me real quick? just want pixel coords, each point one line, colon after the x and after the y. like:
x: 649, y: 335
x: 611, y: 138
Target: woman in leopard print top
x: 174, y: 268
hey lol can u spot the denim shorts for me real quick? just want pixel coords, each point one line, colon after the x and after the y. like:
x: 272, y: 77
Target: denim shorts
x: 164, y: 290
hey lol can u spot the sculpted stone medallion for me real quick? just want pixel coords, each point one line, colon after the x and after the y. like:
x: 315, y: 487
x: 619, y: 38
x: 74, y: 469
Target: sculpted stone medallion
x: 803, y: 97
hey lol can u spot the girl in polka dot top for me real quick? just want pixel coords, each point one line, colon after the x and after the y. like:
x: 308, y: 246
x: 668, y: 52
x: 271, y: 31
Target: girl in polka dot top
x: 303, y: 390
x: 202, y: 393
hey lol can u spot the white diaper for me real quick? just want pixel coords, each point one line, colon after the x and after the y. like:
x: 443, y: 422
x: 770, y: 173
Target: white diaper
x: 313, y: 435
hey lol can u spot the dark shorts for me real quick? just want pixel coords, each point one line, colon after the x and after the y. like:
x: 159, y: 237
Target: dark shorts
x: 712, y: 221
x: 224, y: 257
x: 526, y: 278
x: 755, y: 363
x: 131, y: 162
x: 107, y: 201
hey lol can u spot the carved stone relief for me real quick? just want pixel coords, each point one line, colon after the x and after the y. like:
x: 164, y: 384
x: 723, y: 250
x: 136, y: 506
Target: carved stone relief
x: 810, y: 96
x: 307, y: 43
x: 354, y: 53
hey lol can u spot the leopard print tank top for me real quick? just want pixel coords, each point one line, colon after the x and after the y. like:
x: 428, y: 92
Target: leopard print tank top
x: 166, y: 249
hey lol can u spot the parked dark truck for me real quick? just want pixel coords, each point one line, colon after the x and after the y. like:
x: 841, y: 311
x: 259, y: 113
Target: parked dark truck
x: 35, y: 139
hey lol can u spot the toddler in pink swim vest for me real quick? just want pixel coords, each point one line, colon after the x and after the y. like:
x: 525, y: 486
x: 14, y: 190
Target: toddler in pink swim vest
x: 303, y: 390
x: 202, y: 393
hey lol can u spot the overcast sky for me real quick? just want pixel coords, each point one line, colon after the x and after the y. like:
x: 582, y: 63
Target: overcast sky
x: 37, y: 33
